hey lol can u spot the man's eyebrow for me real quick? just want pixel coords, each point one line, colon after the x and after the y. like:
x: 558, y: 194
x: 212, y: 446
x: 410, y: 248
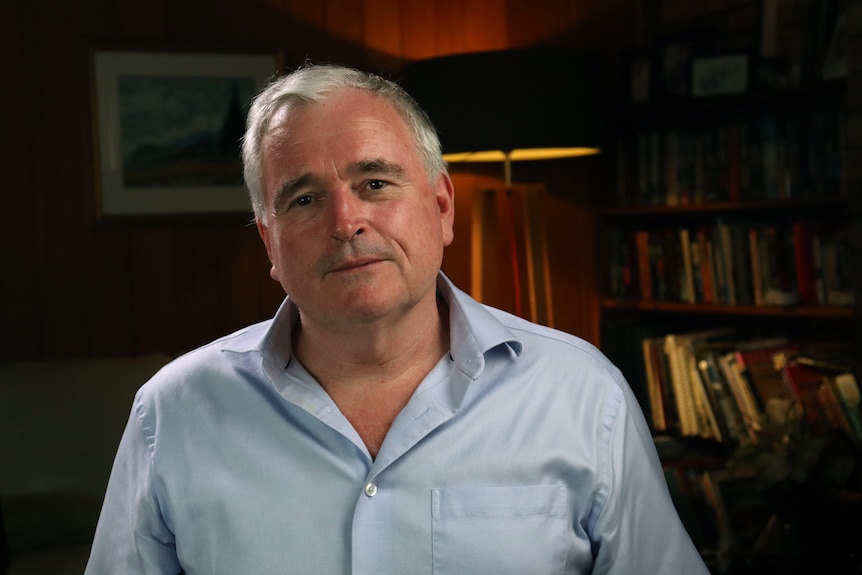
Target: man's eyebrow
x: 290, y: 187
x: 377, y: 166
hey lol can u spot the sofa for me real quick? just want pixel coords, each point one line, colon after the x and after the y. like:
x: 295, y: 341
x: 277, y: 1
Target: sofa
x: 60, y: 424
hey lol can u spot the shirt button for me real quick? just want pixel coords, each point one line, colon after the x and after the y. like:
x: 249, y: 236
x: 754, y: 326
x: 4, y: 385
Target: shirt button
x: 370, y: 490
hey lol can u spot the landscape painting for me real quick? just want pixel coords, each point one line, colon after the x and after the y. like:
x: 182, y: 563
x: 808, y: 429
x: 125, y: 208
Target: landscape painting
x: 182, y: 132
x: 167, y: 130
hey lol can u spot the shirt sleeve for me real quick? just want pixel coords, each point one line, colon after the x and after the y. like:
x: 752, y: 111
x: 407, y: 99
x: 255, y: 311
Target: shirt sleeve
x: 132, y: 535
x: 638, y: 529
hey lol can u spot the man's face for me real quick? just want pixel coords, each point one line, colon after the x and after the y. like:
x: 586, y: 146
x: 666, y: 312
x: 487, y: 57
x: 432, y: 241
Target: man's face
x: 354, y: 230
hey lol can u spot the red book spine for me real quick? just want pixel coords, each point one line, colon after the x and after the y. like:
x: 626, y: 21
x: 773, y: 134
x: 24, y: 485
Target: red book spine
x: 805, y: 281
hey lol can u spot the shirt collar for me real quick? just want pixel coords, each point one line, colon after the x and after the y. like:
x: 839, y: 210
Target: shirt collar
x: 474, y: 330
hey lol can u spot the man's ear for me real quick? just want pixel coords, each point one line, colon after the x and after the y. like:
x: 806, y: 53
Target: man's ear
x: 263, y: 232
x: 446, y: 205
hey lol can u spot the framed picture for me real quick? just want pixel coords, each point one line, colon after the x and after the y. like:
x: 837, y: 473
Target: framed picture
x: 835, y: 62
x: 167, y: 129
x: 674, y: 61
x: 719, y: 75
x: 641, y: 78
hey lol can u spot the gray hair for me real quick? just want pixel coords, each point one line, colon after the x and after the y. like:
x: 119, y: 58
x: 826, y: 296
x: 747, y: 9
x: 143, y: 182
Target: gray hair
x: 313, y: 84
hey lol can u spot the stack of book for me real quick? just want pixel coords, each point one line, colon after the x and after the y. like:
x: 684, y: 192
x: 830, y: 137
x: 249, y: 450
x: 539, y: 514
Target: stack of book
x: 709, y: 384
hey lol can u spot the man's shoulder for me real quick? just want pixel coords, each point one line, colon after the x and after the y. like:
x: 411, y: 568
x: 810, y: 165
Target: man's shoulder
x: 553, y: 343
x: 214, y: 361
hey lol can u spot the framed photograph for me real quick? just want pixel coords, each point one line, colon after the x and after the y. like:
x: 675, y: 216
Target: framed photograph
x: 720, y: 75
x: 674, y: 61
x: 835, y: 62
x: 167, y: 129
x: 641, y: 78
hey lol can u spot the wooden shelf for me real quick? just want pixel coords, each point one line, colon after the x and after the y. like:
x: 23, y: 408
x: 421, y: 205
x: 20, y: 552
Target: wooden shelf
x: 718, y: 208
x: 823, y: 312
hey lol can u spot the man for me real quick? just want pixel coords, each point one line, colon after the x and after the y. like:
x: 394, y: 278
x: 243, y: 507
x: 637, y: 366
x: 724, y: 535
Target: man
x: 382, y: 422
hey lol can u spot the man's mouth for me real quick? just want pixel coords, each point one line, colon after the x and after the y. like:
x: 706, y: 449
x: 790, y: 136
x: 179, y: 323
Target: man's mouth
x: 355, y: 264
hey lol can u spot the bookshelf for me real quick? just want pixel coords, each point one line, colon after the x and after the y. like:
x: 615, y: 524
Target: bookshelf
x: 727, y: 296
x: 784, y: 260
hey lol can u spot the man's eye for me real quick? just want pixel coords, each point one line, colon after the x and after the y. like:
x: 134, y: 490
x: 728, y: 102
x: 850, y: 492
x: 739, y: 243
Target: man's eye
x: 301, y: 201
x: 376, y: 184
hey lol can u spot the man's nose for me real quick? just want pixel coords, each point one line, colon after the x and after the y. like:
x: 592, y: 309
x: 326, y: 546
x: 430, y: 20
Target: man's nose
x: 348, y: 214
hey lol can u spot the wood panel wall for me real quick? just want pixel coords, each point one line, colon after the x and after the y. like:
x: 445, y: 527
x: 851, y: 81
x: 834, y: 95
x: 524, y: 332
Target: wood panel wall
x: 71, y: 288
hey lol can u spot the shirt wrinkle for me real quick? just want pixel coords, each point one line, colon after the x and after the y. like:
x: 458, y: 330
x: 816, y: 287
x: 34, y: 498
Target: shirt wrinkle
x: 605, y: 474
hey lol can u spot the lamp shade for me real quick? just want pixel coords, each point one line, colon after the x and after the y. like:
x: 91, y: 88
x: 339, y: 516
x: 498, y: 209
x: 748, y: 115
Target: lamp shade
x: 520, y: 104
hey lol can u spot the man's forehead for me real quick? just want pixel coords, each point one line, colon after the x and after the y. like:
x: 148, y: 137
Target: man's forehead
x: 345, y: 104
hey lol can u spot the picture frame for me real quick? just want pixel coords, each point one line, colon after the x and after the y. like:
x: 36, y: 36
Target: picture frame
x: 673, y: 66
x: 641, y: 77
x: 166, y: 129
x: 720, y: 75
x: 835, y: 60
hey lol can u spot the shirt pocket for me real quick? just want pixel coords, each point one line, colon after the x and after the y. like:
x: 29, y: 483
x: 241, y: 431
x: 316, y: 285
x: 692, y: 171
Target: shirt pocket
x: 499, y: 530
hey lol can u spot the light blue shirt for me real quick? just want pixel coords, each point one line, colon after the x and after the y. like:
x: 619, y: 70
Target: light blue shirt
x: 522, y: 452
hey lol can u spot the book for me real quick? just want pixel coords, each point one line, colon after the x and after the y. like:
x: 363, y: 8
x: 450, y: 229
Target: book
x: 804, y: 263
x: 728, y: 413
x: 672, y: 168
x: 680, y: 494
x: 832, y: 408
x: 719, y: 271
x: 802, y: 383
x: 684, y: 483
x: 733, y: 163
x: 710, y: 423
x: 674, y: 269
x: 846, y: 391
x: 618, y: 263
x: 698, y: 191
x: 727, y: 252
x: 754, y: 160
x: 688, y: 291
x: 770, y: 156
x: 655, y: 178
x: 786, y: 261
x: 817, y: 269
x: 693, y: 408
x: 655, y: 384
x: 658, y: 250
x: 682, y: 389
x: 739, y: 386
x: 707, y: 265
x: 642, y: 187
x: 756, y: 271
x: 642, y: 246
x: 742, y: 285
x: 696, y: 269
x: 755, y: 360
x: 622, y: 339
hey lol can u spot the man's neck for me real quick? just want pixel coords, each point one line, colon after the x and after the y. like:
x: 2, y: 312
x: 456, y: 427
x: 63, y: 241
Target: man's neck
x: 381, y: 349
x: 372, y: 371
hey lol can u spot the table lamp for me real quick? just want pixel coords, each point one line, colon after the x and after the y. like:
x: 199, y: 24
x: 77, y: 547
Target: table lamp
x: 508, y: 106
